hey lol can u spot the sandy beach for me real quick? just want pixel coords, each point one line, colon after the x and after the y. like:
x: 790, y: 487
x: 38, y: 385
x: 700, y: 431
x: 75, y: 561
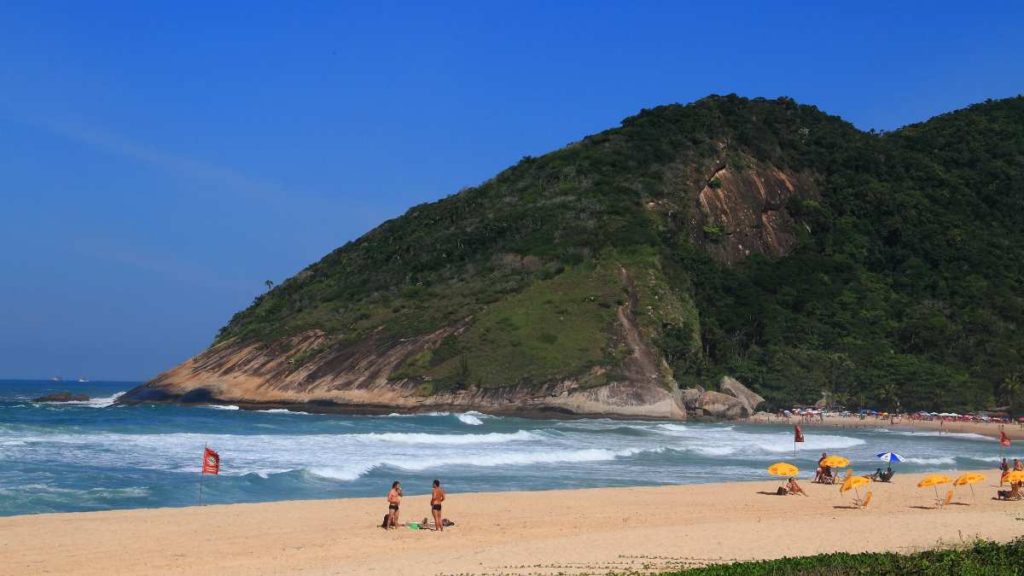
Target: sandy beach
x: 553, y: 532
x: 1013, y: 431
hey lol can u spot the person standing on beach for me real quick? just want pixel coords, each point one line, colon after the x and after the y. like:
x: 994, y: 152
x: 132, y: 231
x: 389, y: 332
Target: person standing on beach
x: 436, y: 498
x: 1004, y: 469
x: 394, y: 500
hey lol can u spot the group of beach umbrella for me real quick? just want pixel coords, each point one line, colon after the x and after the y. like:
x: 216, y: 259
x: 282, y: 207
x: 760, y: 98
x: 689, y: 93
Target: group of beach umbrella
x: 850, y: 482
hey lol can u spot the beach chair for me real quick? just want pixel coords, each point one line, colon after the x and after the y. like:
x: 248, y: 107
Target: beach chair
x: 867, y: 500
x: 943, y: 502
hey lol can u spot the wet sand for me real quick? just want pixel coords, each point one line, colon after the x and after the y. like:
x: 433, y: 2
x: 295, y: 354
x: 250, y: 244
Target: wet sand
x: 552, y: 532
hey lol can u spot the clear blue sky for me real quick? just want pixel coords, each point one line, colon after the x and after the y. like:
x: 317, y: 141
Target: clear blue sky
x: 160, y: 160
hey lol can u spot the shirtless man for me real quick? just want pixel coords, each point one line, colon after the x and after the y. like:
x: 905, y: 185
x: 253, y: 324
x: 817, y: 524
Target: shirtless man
x: 819, y: 474
x: 436, y: 498
x: 394, y: 500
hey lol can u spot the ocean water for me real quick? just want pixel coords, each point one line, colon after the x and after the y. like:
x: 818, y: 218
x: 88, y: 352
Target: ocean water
x: 97, y: 456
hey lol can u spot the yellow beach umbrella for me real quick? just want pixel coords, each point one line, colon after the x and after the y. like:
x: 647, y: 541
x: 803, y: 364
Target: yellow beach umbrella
x: 836, y: 462
x: 783, y: 469
x: 934, y: 480
x: 969, y: 479
x: 853, y: 483
x: 1014, y: 476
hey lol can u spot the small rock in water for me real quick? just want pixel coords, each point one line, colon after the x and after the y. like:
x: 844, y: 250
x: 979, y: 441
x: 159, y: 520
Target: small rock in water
x: 62, y: 397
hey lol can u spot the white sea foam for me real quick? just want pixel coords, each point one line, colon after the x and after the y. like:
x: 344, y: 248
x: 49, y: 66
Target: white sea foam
x: 939, y: 461
x: 471, y: 418
x: 285, y: 411
x: 91, y: 403
x: 445, y: 439
x: 222, y: 406
x: 935, y: 434
x: 995, y: 459
x: 344, y: 473
x: 354, y: 471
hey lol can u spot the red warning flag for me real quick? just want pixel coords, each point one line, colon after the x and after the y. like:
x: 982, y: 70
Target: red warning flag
x: 1004, y: 439
x: 798, y: 436
x: 211, y: 462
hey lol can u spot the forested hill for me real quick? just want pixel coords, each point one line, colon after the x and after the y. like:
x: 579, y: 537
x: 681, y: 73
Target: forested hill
x: 759, y: 239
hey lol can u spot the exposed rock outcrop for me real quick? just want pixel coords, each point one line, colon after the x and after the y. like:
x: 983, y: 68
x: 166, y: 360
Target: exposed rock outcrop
x: 749, y: 399
x: 742, y: 211
x: 62, y: 397
x: 734, y: 401
x: 719, y: 405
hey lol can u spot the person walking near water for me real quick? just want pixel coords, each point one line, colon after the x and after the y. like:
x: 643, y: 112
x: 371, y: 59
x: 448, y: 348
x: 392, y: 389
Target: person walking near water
x: 1004, y: 469
x: 394, y: 500
x: 436, y: 498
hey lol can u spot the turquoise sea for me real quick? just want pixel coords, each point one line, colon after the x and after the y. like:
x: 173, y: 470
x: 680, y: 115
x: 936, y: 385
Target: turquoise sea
x: 98, y: 456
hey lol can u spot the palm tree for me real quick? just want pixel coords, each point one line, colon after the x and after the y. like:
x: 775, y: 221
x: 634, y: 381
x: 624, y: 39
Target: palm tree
x: 269, y: 284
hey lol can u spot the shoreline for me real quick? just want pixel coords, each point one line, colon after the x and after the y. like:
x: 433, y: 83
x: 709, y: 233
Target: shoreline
x: 597, y: 530
x: 1013, y: 431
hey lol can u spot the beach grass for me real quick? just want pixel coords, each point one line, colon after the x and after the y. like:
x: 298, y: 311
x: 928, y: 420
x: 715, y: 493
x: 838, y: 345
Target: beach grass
x: 979, y: 558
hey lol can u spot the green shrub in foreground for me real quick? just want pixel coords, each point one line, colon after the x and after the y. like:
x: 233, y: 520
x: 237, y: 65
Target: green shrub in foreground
x: 981, y: 558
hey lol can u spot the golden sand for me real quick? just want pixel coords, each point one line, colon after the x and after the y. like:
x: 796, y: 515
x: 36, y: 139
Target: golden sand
x: 553, y: 532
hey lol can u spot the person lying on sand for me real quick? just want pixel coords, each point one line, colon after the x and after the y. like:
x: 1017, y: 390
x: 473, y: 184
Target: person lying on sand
x: 394, y: 500
x: 436, y: 498
x: 793, y: 488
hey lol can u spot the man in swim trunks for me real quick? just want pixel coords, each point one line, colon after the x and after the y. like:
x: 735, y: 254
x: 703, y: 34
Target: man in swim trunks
x: 394, y: 499
x: 436, y: 498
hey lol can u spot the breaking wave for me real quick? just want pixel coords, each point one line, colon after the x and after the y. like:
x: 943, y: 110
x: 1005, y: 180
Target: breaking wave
x: 471, y: 418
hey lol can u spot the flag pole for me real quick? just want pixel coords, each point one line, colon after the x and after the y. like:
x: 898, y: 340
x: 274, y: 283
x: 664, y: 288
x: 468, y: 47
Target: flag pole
x: 201, y: 474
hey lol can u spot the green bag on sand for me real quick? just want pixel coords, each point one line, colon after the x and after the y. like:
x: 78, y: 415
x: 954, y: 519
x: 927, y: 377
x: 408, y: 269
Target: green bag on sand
x: 413, y: 525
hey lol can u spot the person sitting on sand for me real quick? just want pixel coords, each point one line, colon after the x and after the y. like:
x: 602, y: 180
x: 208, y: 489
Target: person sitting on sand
x: 1017, y: 465
x: 394, y: 500
x: 793, y: 488
x: 887, y: 475
x: 1012, y: 494
x: 436, y: 498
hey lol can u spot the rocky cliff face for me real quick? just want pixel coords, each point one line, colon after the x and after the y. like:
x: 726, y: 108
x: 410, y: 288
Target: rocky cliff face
x: 367, y: 377
x: 742, y: 211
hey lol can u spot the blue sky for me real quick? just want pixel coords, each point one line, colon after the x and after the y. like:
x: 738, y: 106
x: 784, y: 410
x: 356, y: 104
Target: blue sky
x: 160, y: 160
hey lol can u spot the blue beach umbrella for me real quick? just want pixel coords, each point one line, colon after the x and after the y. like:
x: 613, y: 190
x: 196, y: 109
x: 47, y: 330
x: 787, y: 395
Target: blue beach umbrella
x: 889, y: 457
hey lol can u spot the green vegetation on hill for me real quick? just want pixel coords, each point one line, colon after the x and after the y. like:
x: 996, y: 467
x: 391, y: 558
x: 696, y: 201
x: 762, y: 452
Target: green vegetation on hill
x: 982, y: 558
x: 904, y: 287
